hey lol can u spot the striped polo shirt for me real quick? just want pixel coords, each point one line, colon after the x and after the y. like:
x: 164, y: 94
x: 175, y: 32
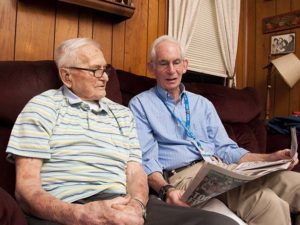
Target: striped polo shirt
x: 84, y: 151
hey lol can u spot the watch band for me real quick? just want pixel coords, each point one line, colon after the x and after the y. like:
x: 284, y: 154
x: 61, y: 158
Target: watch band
x: 163, y: 191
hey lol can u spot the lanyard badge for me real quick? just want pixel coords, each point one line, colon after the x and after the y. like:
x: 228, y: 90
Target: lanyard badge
x: 205, y: 155
x: 186, y: 126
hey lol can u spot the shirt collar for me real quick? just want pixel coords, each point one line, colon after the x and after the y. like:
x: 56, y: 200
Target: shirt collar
x: 167, y: 96
x: 74, y: 100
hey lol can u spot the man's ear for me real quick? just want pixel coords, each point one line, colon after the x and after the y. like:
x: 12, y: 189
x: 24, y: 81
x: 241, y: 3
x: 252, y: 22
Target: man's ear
x: 65, y: 77
x: 185, y: 65
x: 151, y: 68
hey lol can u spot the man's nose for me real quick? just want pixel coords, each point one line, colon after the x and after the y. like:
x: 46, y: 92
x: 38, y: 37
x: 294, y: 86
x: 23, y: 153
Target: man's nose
x: 104, y: 77
x: 171, y: 67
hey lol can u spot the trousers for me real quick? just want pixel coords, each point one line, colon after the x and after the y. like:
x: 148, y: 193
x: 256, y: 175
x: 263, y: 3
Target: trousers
x: 161, y: 213
x: 258, y: 202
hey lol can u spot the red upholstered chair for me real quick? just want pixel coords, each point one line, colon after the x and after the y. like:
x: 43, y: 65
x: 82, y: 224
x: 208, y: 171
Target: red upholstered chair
x: 10, y: 212
x: 239, y: 110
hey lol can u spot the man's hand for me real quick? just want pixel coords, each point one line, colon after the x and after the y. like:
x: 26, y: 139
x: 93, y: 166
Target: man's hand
x: 278, y: 155
x: 157, y: 181
x: 109, y: 212
x: 285, y: 154
x: 174, y: 197
x: 133, y: 207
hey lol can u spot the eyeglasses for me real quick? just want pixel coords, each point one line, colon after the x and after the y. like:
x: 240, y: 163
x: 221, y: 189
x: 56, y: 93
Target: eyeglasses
x: 95, y: 72
x: 164, y: 64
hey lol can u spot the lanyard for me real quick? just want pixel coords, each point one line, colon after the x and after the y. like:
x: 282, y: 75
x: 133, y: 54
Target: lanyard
x: 187, y: 124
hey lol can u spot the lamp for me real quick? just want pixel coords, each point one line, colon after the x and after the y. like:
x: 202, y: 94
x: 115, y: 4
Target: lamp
x: 288, y: 67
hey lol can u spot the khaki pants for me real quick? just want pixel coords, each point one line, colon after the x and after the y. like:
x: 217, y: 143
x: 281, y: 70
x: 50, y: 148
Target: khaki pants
x: 266, y: 200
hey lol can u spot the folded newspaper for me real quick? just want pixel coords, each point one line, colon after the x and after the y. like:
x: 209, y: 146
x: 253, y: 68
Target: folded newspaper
x: 212, y: 180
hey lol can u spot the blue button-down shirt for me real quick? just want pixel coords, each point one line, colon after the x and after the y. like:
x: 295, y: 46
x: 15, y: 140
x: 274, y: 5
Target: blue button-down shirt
x: 163, y: 140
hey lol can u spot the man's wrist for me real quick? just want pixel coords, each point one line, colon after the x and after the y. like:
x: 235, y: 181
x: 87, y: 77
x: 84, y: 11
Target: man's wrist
x: 163, y: 192
x: 143, y: 207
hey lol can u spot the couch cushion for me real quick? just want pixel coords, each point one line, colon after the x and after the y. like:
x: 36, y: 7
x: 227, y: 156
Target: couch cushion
x: 7, y: 180
x: 113, y: 91
x: 131, y: 84
x: 20, y: 81
x: 10, y: 212
x: 251, y: 136
x: 233, y: 105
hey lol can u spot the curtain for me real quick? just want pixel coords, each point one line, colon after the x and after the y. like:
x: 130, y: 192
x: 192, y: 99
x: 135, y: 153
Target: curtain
x: 228, y: 16
x: 182, y: 21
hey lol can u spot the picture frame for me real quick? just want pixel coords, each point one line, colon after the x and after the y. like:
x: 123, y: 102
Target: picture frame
x: 283, y: 43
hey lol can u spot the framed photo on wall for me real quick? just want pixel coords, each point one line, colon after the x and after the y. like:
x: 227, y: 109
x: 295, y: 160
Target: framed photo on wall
x: 283, y: 43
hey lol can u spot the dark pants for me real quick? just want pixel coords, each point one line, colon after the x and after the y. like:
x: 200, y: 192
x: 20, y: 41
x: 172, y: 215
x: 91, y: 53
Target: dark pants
x: 160, y: 213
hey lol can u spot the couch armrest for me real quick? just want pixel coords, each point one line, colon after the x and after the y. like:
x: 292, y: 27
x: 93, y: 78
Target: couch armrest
x: 10, y: 212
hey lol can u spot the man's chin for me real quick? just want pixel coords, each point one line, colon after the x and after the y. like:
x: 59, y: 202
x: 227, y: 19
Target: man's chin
x: 100, y: 96
x: 171, y: 86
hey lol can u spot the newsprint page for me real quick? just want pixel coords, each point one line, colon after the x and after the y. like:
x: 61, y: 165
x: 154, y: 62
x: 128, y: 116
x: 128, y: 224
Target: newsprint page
x: 212, y: 180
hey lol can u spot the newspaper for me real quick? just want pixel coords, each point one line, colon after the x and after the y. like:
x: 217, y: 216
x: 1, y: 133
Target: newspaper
x: 294, y: 143
x: 213, y: 179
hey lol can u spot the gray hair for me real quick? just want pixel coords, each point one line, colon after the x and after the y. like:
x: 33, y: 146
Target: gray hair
x: 152, y: 50
x: 66, y: 53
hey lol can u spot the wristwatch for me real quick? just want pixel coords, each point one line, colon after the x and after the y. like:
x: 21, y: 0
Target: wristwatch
x: 163, y: 191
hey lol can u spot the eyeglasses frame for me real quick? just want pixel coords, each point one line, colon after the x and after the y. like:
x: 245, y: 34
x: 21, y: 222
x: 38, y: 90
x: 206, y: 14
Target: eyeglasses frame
x: 105, y: 69
x: 167, y: 66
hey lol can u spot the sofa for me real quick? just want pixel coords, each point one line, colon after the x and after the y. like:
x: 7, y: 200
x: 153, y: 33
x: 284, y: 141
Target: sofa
x: 239, y: 109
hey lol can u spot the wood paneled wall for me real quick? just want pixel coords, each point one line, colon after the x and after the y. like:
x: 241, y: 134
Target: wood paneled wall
x: 31, y: 29
x: 254, y: 51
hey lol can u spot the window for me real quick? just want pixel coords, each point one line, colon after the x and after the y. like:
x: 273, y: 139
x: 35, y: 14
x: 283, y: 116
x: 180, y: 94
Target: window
x: 204, y: 51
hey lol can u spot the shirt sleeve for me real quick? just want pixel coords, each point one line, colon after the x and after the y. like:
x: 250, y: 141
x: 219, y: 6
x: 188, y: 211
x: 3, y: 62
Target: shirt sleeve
x: 147, y: 140
x: 225, y: 148
x: 32, y: 130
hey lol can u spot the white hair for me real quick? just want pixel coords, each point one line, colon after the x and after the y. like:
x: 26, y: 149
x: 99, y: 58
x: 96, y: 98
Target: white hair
x: 66, y: 53
x: 152, y: 50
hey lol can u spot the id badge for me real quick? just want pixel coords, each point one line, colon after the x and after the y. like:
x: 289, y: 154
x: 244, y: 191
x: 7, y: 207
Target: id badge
x: 205, y: 155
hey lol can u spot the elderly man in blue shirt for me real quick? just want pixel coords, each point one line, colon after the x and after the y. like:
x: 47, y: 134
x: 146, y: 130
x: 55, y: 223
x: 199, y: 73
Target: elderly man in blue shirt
x: 178, y: 129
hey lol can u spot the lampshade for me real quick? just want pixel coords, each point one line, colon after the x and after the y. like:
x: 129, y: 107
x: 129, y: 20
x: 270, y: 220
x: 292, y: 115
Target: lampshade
x: 288, y: 67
